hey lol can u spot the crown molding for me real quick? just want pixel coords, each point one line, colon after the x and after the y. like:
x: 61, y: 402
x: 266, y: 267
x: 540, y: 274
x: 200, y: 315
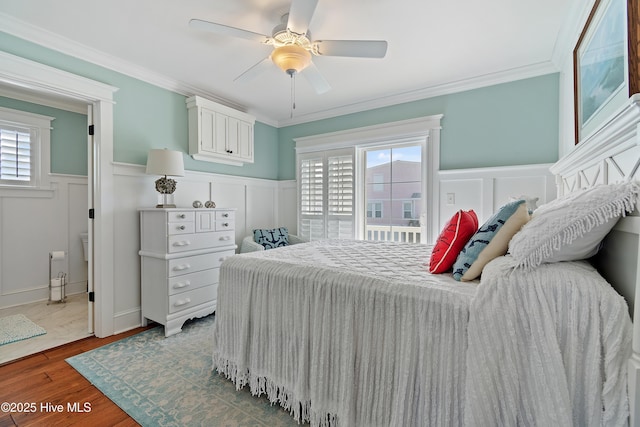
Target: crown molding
x: 69, y: 47
x: 507, y: 76
x: 50, y: 40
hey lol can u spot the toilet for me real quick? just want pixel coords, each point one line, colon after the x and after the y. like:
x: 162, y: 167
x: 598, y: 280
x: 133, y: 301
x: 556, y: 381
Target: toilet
x: 85, y: 245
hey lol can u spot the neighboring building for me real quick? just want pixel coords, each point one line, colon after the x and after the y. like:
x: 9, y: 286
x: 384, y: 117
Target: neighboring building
x: 393, y: 194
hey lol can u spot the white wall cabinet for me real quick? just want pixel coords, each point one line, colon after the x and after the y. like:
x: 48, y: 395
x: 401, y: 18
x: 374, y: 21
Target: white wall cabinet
x: 181, y: 252
x: 218, y: 133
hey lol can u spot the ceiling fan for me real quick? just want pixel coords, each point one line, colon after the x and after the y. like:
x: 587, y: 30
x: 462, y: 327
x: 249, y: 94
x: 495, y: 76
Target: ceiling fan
x: 293, y: 45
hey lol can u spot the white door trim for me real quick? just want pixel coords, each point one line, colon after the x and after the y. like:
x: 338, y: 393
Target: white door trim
x: 23, y: 73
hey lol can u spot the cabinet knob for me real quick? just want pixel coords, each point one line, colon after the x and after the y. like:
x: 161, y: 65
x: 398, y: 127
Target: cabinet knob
x: 182, y: 302
x: 181, y: 267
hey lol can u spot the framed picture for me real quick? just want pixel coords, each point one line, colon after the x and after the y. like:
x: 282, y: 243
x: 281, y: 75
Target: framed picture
x: 601, y: 66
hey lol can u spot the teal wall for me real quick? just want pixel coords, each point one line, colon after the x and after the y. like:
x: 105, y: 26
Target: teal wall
x: 146, y: 116
x: 508, y: 124
x: 68, y: 136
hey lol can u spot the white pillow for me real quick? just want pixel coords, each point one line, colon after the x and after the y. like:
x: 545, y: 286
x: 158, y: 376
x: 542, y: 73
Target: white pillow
x: 572, y: 227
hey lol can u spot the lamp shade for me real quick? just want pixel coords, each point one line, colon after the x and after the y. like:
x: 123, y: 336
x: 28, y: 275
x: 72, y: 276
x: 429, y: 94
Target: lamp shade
x: 165, y: 162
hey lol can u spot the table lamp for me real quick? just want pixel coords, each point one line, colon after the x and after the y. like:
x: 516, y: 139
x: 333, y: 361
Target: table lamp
x: 168, y: 163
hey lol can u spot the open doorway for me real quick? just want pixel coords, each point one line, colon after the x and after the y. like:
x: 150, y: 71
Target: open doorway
x: 45, y: 171
x: 24, y: 74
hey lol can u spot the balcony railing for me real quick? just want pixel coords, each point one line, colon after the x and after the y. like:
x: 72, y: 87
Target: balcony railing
x: 393, y: 233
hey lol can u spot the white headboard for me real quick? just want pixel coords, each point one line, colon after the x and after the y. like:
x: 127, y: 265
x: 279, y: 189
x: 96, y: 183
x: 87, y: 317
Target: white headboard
x: 612, y: 154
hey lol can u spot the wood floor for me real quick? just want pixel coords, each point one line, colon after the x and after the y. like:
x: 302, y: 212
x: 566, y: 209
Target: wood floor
x: 43, y: 389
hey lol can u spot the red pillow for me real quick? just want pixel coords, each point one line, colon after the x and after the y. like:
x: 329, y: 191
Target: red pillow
x: 460, y: 228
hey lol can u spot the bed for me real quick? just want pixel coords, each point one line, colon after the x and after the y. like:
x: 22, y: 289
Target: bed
x: 355, y: 333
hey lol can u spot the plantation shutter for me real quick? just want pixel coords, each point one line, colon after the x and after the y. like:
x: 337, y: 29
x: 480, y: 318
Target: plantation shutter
x: 312, y: 197
x: 15, y: 156
x: 326, y: 194
x: 340, y: 197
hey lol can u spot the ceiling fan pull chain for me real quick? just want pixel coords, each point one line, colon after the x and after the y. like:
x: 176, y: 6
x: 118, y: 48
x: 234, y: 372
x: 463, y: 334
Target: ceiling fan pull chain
x: 293, y: 93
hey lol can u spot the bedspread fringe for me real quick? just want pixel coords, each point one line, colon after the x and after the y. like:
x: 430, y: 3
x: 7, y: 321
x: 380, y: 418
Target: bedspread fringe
x: 275, y: 393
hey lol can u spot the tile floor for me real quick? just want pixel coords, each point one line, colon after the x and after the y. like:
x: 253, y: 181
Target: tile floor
x: 64, y: 322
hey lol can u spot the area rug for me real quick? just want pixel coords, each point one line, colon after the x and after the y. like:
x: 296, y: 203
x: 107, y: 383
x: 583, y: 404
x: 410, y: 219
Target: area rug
x: 17, y: 327
x: 162, y: 381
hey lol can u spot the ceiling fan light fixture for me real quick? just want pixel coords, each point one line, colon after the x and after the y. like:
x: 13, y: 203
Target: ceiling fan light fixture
x: 291, y: 58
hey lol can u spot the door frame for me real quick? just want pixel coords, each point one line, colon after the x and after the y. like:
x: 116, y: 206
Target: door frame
x: 34, y: 76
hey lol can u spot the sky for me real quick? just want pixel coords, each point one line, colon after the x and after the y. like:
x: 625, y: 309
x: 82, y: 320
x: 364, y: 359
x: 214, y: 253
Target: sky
x: 378, y: 157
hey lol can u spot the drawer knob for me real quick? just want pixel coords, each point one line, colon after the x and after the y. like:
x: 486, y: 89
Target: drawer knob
x: 182, y: 227
x: 181, y: 267
x: 181, y: 285
x: 182, y: 302
x: 182, y: 243
x: 182, y: 216
x: 225, y: 215
x: 225, y: 238
x: 225, y: 224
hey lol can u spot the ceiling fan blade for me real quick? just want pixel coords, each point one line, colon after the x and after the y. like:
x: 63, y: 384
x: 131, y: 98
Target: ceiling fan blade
x: 225, y: 30
x: 315, y: 79
x: 355, y: 48
x: 300, y: 15
x: 254, y: 71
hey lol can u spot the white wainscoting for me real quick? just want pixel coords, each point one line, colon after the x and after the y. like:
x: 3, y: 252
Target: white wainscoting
x: 34, y: 223
x: 260, y: 203
x: 486, y: 189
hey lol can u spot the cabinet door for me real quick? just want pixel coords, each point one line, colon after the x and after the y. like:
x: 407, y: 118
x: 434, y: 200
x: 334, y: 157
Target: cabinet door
x: 221, y: 146
x: 232, y: 137
x: 207, y: 130
x: 245, y: 141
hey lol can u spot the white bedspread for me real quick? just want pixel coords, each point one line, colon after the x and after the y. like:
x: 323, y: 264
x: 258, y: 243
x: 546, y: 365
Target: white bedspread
x: 547, y: 348
x: 356, y: 333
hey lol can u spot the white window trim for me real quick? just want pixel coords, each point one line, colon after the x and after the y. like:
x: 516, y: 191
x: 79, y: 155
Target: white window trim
x: 425, y: 129
x: 41, y: 146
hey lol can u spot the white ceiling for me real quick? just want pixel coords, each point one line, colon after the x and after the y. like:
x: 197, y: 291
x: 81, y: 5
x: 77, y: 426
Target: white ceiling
x: 433, y: 46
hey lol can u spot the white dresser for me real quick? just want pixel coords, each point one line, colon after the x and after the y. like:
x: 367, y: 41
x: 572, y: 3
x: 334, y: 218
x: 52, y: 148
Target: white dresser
x: 181, y: 252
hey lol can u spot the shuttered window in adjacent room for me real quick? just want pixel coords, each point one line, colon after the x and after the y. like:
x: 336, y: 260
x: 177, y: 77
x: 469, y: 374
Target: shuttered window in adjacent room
x: 326, y: 191
x: 24, y: 149
x: 15, y: 155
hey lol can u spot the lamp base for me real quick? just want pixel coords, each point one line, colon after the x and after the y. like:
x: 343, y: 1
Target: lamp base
x: 165, y: 200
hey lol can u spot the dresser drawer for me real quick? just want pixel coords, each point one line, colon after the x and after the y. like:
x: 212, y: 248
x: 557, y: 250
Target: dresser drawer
x: 191, y: 242
x: 180, y: 266
x: 192, y: 298
x: 178, y: 216
x: 190, y: 281
x: 174, y: 228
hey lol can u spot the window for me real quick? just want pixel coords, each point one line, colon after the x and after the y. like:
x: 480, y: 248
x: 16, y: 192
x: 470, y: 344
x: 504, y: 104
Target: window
x: 374, y: 210
x: 393, y: 177
x: 407, y: 210
x: 326, y: 195
x: 15, y: 155
x: 24, y: 149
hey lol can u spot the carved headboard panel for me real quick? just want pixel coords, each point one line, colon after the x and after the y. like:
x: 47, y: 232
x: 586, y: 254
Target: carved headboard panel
x: 609, y: 155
